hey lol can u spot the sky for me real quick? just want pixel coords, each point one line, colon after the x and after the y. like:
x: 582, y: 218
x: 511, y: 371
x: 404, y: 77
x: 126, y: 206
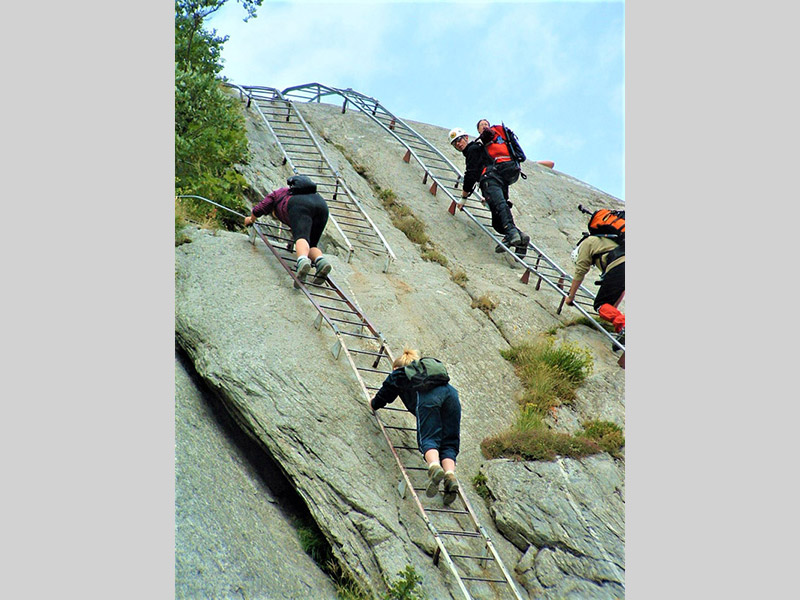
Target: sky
x: 554, y: 72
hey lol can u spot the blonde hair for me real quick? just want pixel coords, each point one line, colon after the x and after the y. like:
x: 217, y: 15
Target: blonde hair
x: 409, y: 355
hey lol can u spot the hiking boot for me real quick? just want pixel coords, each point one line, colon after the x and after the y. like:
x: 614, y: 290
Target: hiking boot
x: 524, y: 238
x: 499, y: 248
x: 303, y: 267
x: 435, y: 475
x: 620, y: 339
x: 512, y: 238
x: 323, y: 267
x: 450, y: 488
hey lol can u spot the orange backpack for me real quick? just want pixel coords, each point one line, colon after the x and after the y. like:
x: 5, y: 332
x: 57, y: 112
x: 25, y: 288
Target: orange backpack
x: 608, y: 223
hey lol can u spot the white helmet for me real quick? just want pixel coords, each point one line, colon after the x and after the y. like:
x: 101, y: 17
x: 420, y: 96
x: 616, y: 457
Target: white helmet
x: 456, y: 133
x: 574, y: 254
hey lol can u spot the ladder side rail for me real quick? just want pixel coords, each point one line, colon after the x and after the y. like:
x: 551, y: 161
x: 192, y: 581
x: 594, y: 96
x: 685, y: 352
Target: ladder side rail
x: 399, y: 121
x: 366, y: 216
x: 558, y: 288
x: 410, y: 488
x: 286, y: 156
x: 362, y: 384
x: 272, y: 249
x: 311, y: 135
x: 246, y: 90
x: 489, y: 544
x: 404, y: 472
x: 295, y: 171
x: 289, y: 161
x: 376, y: 120
x: 367, y: 323
x: 338, y: 175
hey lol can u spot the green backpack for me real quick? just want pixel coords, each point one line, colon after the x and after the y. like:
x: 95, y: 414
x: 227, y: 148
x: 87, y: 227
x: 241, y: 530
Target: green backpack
x: 426, y: 373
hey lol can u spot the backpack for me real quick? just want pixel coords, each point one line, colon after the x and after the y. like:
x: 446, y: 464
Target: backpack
x: 514, y: 148
x: 301, y: 184
x: 606, y: 223
x: 426, y: 373
x: 610, y: 224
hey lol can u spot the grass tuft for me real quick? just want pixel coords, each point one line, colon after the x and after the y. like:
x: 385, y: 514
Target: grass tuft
x: 607, y: 435
x: 537, y: 444
x: 479, y: 483
x: 484, y: 303
x: 433, y: 255
x: 412, y: 227
x: 550, y: 375
x: 459, y: 276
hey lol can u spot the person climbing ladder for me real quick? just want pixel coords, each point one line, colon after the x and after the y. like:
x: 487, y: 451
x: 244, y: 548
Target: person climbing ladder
x: 489, y: 164
x: 424, y: 388
x: 603, y: 247
x: 306, y: 213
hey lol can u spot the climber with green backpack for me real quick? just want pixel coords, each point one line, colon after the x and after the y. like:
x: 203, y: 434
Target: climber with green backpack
x: 603, y: 246
x: 424, y: 388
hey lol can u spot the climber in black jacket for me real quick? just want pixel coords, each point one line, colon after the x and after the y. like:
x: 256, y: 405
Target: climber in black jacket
x: 494, y: 172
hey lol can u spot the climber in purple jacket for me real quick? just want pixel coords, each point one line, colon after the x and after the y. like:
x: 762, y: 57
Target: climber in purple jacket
x: 301, y: 208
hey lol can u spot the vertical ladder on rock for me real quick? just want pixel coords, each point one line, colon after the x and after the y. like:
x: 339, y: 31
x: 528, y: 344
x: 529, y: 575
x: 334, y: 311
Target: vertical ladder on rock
x: 461, y: 541
x: 304, y: 155
x: 441, y: 174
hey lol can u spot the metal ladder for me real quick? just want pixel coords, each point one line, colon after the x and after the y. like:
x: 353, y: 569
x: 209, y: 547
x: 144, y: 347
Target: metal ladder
x: 304, y: 155
x: 444, y: 175
x: 461, y: 541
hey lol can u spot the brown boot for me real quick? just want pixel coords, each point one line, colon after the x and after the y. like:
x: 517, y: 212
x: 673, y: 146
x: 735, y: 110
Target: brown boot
x: 450, y: 488
x: 435, y: 475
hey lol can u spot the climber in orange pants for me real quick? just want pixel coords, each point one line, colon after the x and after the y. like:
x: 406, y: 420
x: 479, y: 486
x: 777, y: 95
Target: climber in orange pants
x: 608, y: 256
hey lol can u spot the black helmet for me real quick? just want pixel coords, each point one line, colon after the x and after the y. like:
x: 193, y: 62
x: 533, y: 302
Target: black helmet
x: 301, y: 184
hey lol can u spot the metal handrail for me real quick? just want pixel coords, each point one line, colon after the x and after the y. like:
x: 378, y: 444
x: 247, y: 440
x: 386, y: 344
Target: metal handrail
x: 564, y: 279
x: 251, y: 92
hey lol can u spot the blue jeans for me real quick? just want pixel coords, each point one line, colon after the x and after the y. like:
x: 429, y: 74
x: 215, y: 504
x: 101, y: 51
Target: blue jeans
x: 439, y: 421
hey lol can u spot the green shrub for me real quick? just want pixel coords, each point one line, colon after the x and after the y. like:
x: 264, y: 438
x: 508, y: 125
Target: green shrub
x: 607, y: 435
x: 406, y: 587
x: 479, y: 483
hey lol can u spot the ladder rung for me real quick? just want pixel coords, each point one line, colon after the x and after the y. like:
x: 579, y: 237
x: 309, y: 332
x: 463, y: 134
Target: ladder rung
x: 456, y: 533
x: 483, y: 579
x: 469, y: 555
x: 371, y: 337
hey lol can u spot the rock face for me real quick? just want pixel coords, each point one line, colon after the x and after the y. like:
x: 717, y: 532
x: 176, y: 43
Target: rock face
x: 559, y: 527
x: 232, y: 537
